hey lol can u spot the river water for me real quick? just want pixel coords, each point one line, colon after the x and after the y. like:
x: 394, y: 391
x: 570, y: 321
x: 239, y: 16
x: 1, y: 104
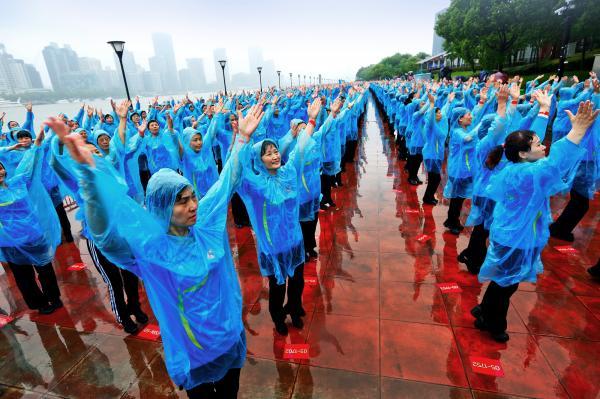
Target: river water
x: 41, y: 112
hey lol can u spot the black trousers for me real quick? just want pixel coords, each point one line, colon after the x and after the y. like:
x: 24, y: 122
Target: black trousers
x: 240, y: 214
x: 350, y: 151
x: 326, y: 188
x: 35, y: 297
x: 414, y: 163
x: 454, y: 211
x: 119, y: 282
x: 433, y: 182
x: 309, y: 229
x: 477, y: 248
x: 575, y: 210
x: 401, y: 146
x: 64, y: 222
x: 494, y: 306
x: 295, y: 286
x: 226, y: 388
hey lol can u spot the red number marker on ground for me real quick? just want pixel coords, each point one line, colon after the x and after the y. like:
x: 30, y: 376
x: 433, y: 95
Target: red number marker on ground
x: 296, y: 351
x: 75, y: 267
x: 483, y: 365
x: 151, y: 333
x: 447, y: 288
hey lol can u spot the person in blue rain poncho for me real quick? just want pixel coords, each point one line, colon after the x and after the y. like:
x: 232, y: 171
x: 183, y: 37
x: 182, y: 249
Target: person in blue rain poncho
x: 198, y: 163
x: 331, y: 151
x: 179, y: 247
x: 29, y: 231
x: 416, y: 142
x: 436, y: 131
x: 587, y: 177
x: 271, y: 194
x: 461, y: 154
x: 482, y: 206
x: 309, y: 193
x: 519, y: 230
x: 161, y: 147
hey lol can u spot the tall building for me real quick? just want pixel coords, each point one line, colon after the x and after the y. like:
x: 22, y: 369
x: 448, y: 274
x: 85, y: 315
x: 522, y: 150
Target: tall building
x: 59, y: 63
x: 15, y: 75
x: 221, y: 54
x: 196, y: 67
x: 438, y: 42
x: 35, y: 80
x: 163, y: 47
x: 88, y: 64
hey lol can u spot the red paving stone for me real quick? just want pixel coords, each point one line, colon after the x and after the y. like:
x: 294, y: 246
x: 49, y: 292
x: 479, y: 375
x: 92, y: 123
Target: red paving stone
x: 377, y: 324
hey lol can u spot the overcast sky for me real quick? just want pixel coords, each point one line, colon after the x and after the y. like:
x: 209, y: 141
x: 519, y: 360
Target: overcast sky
x: 309, y: 37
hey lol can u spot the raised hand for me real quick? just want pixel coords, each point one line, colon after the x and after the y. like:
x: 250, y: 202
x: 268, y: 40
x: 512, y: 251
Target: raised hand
x: 40, y: 137
x: 575, y: 79
x: 431, y: 98
x: 586, y: 115
x: 274, y: 100
x: 335, y: 107
x: 74, y: 142
x: 451, y: 96
x: 28, y: 106
x: 2, y: 116
x: 122, y: 109
x: 543, y: 99
x: 142, y: 128
x: 248, y: 124
x: 314, y: 109
x: 515, y: 91
x: 90, y: 111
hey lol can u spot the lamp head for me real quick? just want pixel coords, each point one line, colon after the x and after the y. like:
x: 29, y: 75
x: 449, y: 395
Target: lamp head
x: 222, y: 62
x: 118, y: 46
x: 259, y: 69
x: 279, y: 73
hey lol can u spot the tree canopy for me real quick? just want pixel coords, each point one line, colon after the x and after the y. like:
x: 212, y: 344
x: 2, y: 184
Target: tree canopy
x: 492, y: 30
x: 390, y: 67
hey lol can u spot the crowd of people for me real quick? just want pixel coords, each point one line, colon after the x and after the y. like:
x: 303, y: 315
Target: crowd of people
x: 491, y: 136
x: 154, y: 187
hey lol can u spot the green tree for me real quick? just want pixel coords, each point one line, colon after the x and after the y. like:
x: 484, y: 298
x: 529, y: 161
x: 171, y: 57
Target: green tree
x: 390, y: 67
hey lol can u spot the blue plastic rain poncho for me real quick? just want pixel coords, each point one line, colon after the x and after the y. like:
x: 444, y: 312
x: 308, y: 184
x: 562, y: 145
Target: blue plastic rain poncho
x: 331, y: 149
x: 199, y: 167
x: 162, y: 150
x: 309, y: 192
x: 435, y: 137
x: 522, y: 213
x: 461, y: 154
x: 273, y: 208
x: 190, y: 280
x: 29, y: 227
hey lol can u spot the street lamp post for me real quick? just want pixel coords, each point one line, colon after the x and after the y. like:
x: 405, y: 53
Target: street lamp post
x: 291, y: 81
x: 299, y: 81
x: 565, y: 11
x: 119, y: 46
x: 259, y: 69
x: 279, y: 78
x: 319, y: 79
x: 222, y: 63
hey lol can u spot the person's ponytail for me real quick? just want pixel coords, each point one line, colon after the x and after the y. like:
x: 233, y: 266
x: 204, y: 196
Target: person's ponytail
x: 494, y: 157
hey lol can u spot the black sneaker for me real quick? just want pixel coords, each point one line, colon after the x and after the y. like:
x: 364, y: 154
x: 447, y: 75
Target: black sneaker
x: 500, y: 337
x: 312, y: 253
x: 430, y: 201
x: 46, y: 309
x: 594, y: 271
x: 281, y: 328
x: 129, y: 325
x: 413, y: 182
x: 140, y: 316
x: 57, y: 304
x: 476, y: 312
